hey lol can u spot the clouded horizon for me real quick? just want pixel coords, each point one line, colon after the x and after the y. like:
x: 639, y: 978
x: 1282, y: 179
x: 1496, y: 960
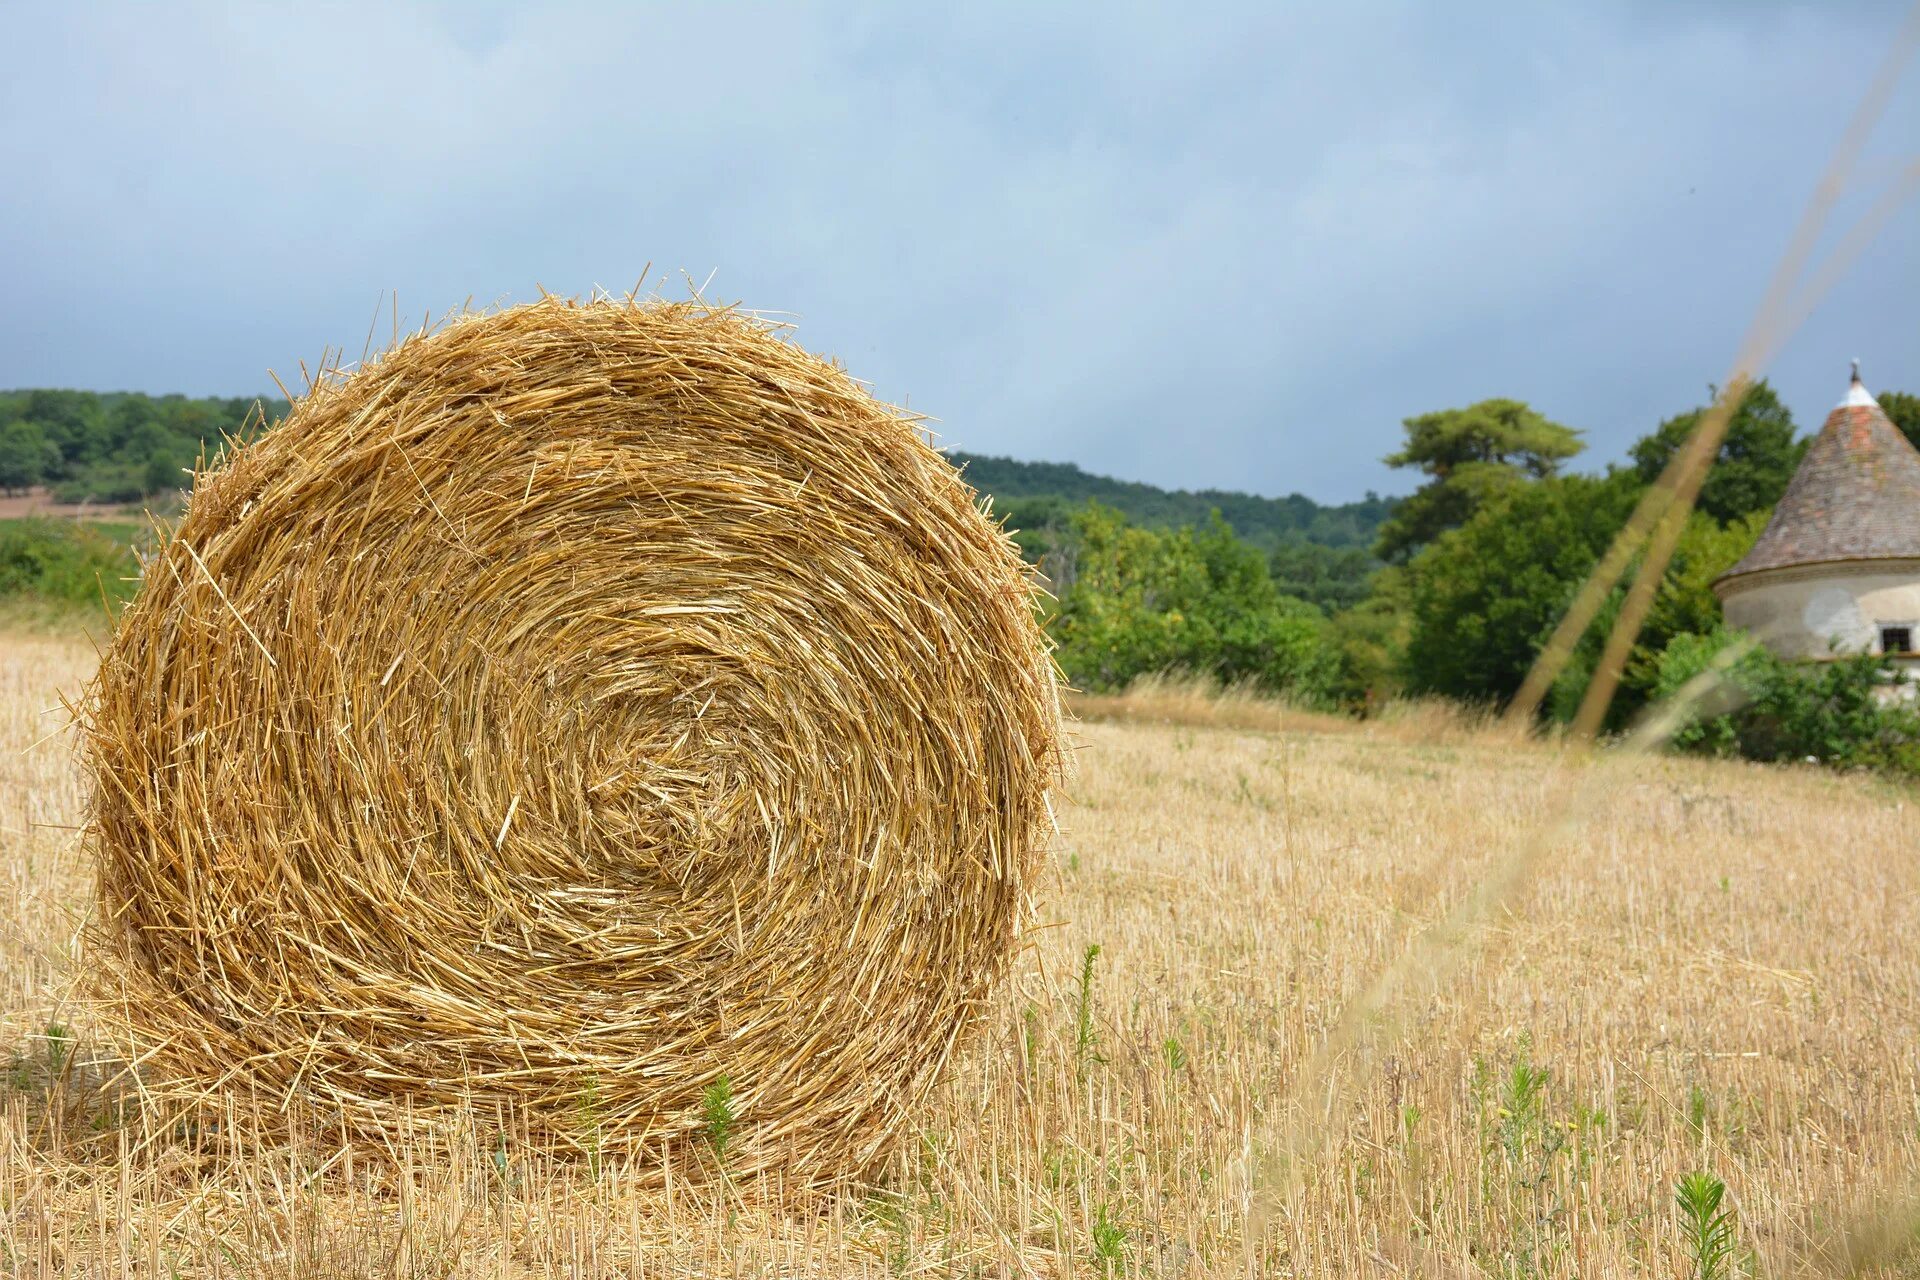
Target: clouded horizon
x: 1229, y: 250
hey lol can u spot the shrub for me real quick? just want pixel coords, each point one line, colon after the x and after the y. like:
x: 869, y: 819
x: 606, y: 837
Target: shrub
x: 1835, y: 712
x: 111, y: 483
x: 1139, y: 601
x: 65, y: 561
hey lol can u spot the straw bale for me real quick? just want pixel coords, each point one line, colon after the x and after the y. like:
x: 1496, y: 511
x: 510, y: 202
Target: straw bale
x: 576, y: 705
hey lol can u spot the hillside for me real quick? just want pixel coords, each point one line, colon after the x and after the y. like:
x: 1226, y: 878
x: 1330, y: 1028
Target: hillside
x: 124, y: 447
x: 1265, y: 522
x: 118, y: 446
x: 1320, y: 554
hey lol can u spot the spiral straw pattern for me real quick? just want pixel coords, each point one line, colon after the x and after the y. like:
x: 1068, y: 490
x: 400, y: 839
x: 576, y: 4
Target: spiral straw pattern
x: 579, y: 704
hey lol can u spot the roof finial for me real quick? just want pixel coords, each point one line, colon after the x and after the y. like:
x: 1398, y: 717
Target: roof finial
x: 1858, y: 396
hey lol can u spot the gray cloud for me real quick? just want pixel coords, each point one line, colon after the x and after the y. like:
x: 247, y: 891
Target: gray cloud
x: 1228, y: 249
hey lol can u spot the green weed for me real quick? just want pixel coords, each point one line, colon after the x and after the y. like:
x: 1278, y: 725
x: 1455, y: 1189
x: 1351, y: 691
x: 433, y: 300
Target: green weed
x: 1712, y: 1242
x: 717, y: 1108
x: 1109, y: 1242
x: 1085, y: 1039
x: 59, y: 1046
x: 1173, y: 1053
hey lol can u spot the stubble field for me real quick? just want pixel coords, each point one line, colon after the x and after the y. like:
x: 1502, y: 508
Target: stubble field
x: 1603, y: 974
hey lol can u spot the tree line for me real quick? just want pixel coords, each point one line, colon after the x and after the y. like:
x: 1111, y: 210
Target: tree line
x: 1322, y: 554
x: 115, y: 447
x: 1450, y: 591
x: 1473, y: 570
x: 127, y: 447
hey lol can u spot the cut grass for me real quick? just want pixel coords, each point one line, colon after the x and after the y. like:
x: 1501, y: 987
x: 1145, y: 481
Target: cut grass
x: 1721, y: 970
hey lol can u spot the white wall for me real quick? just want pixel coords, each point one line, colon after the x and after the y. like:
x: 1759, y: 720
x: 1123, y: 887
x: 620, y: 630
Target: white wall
x: 1799, y: 611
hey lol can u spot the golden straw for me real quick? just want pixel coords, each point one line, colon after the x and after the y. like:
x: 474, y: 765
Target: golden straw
x: 574, y: 707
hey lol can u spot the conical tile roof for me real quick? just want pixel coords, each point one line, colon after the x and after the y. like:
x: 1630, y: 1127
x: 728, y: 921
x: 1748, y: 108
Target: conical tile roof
x: 1856, y: 495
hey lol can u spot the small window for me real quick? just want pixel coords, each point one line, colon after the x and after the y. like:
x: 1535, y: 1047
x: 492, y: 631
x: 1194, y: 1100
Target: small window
x: 1896, y: 639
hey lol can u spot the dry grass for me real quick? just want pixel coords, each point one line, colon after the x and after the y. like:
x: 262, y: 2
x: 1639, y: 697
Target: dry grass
x: 606, y: 716
x: 1721, y: 970
x: 1198, y: 703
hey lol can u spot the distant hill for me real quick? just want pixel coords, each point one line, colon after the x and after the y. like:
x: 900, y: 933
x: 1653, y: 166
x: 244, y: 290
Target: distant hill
x: 125, y: 447
x: 1020, y: 488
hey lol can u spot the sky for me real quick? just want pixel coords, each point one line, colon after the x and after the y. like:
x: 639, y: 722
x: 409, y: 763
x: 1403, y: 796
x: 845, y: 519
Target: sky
x: 1225, y: 246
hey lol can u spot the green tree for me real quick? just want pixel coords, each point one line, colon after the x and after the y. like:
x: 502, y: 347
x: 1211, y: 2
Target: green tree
x: 1141, y: 601
x: 73, y: 422
x: 1484, y: 597
x: 1265, y: 522
x: 1904, y: 409
x: 159, y: 475
x: 1757, y: 456
x: 25, y: 455
x: 1332, y: 578
x: 117, y: 446
x: 1373, y: 639
x: 1471, y: 455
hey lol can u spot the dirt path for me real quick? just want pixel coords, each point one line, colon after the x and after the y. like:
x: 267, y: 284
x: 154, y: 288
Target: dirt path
x: 38, y: 502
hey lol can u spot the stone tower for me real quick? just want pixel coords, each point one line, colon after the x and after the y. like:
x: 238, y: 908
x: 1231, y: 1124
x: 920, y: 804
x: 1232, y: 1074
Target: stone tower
x: 1838, y: 568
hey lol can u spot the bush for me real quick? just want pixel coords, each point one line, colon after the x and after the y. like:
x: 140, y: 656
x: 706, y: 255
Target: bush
x: 1137, y: 601
x: 65, y: 561
x: 1835, y: 712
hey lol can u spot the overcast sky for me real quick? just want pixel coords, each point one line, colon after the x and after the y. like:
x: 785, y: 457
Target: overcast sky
x: 1229, y: 246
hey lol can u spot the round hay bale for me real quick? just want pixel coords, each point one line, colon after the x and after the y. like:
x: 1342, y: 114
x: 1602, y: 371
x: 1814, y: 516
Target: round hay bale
x: 579, y: 705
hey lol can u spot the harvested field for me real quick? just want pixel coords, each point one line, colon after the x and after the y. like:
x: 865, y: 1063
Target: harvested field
x: 1719, y: 969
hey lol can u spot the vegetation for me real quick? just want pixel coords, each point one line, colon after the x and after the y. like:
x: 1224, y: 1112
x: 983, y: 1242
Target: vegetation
x: 1757, y: 456
x: 67, y: 562
x: 1484, y: 596
x: 1712, y: 1243
x: 112, y: 447
x: 1903, y: 410
x: 1133, y: 601
x: 1451, y: 591
x: 1833, y: 712
x: 1330, y: 578
x: 1470, y: 456
x: 1319, y: 554
x: 1471, y: 609
x: 718, y: 1110
x: 1041, y: 494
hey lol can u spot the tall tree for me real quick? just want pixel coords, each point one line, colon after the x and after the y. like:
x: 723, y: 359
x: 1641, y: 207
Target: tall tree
x: 1470, y: 455
x: 1484, y: 597
x: 1904, y: 409
x: 1757, y: 456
